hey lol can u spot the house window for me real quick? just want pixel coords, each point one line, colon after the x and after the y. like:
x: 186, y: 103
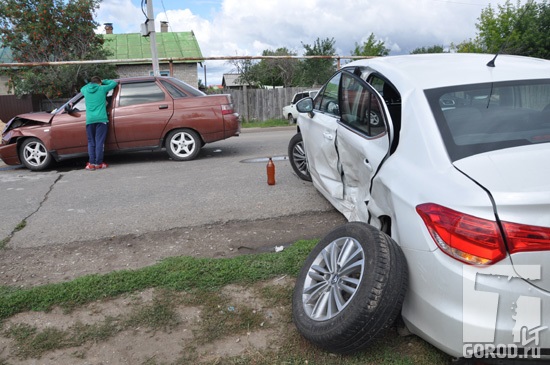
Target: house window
x: 162, y: 73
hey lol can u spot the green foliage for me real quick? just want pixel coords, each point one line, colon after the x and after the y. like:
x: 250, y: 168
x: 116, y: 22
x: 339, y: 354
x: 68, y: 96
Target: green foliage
x: 315, y: 71
x: 432, y: 49
x: 276, y: 71
x: 371, y: 47
x: 467, y: 46
x: 512, y: 29
x: 41, y: 31
x: 244, y: 67
x: 289, y: 71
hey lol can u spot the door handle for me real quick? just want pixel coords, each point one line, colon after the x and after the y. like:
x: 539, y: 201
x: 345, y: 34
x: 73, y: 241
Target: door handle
x: 164, y: 106
x: 328, y: 136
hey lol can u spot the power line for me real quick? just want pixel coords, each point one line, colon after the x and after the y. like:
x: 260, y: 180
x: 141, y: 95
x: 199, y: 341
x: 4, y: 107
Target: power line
x: 458, y: 2
x: 170, y: 25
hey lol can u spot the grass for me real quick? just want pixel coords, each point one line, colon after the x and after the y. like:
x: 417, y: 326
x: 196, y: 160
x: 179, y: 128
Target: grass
x: 178, y: 273
x: 32, y: 343
x: 200, y: 283
x: 3, y: 243
x: 265, y: 123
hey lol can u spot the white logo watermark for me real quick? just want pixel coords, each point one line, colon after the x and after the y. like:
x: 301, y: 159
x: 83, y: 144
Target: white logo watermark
x: 481, y: 314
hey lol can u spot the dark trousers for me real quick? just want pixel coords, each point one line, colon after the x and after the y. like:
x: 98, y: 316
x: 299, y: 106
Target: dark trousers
x: 97, y: 133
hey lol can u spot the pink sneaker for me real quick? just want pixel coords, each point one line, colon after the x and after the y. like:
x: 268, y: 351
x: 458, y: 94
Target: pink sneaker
x: 102, y: 165
x: 90, y: 167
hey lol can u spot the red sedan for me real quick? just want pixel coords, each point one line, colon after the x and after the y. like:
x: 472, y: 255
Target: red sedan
x: 146, y: 113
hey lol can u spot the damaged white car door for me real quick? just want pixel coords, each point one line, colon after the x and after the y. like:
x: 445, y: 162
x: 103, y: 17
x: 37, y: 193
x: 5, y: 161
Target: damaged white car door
x: 319, y: 131
x: 363, y: 142
x: 346, y: 139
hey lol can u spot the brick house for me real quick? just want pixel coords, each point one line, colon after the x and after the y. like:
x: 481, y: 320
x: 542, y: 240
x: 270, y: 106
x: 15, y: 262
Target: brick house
x: 131, y: 46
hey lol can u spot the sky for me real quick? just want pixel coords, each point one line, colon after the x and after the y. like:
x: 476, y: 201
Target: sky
x: 248, y: 27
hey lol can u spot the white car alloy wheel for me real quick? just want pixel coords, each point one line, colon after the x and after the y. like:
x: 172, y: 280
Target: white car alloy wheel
x: 183, y: 144
x: 333, y: 279
x: 34, y: 155
x: 297, y: 156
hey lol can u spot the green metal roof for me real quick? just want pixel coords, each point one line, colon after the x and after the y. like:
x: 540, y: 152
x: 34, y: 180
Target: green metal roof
x: 169, y: 45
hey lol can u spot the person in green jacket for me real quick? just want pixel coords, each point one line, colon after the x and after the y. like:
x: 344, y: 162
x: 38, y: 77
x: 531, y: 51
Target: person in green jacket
x: 95, y: 96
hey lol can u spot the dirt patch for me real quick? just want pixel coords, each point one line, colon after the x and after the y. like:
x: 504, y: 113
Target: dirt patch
x: 52, y: 264
x: 138, y: 344
x: 142, y: 345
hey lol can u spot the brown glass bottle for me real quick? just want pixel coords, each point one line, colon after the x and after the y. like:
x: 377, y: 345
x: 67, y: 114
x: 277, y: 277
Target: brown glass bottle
x: 270, y: 172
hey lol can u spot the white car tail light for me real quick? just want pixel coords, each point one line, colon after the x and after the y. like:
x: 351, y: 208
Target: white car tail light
x: 523, y: 238
x: 464, y: 237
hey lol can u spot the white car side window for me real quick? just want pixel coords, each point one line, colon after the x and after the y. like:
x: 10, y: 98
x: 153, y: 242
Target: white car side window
x: 327, y: 100
x: 360, y: 108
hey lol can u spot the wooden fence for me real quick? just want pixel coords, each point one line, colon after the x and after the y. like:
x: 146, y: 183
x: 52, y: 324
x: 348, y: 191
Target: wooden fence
x: 262, y: 104
x: 11, y: 105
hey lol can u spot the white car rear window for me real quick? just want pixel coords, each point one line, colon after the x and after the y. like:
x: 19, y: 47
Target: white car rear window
x: 479, y: 118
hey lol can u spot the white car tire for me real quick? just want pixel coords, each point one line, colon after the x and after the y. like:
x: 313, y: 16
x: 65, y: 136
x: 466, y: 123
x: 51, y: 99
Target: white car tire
x: 34, y: 155
x: 183, y: 144
x: 298, y: 158
x: 350, y: 289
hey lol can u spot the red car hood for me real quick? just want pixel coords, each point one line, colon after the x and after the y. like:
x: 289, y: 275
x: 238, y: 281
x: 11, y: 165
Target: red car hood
x: 43, y: 117
x: 39, y: 117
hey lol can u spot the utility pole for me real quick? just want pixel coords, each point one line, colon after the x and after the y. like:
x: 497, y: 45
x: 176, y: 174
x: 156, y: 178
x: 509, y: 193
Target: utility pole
x: 150, y: 26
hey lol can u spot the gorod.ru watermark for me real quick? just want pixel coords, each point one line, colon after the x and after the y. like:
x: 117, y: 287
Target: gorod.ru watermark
x: 492, y: 351
x: 481, y: 311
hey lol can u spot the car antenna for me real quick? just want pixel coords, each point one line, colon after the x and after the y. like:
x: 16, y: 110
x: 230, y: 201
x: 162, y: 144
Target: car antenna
x: 492, y: 62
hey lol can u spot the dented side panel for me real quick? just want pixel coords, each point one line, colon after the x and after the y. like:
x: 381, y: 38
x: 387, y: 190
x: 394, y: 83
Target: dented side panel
x: 360, y: 158
x: 322, y: 155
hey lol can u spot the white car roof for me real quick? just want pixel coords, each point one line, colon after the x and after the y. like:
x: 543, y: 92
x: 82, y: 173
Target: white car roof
x: 427, y: 71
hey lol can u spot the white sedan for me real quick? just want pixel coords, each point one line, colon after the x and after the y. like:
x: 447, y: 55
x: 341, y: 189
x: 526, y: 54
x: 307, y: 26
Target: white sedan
x: 448, y: 202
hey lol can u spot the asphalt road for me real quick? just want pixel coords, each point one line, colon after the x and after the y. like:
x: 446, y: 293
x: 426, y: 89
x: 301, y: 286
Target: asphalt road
x: 147, y: 192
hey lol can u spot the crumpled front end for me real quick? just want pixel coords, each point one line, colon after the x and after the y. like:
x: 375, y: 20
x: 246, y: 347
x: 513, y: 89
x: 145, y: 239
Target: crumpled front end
x: 14, y: 130
x: 8, y: 154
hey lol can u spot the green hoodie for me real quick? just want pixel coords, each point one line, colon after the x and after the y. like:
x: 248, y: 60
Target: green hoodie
x: 96, y: 100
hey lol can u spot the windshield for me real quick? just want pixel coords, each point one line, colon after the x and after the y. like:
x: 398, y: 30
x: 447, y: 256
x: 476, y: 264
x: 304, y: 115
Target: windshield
x: 479, y: 118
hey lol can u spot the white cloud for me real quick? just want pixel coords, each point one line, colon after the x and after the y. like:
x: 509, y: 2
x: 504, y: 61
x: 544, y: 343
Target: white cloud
x: 247, y: 27
x: 125, y: 17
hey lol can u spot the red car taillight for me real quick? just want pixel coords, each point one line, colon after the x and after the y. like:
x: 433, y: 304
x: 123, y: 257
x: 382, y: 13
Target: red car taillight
x: 464, y: 237
x: 523, y: 238
x: 227, y: 109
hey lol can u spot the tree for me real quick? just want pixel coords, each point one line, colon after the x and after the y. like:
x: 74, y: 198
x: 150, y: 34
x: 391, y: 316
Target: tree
x: 520, y: 29
x: 245, y: 68
x: 432, y: 49
x: 52, y: 31
x: 201, y: 85
x: 276, y: 71
x: 315, y: 71
x: 371, y: 48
